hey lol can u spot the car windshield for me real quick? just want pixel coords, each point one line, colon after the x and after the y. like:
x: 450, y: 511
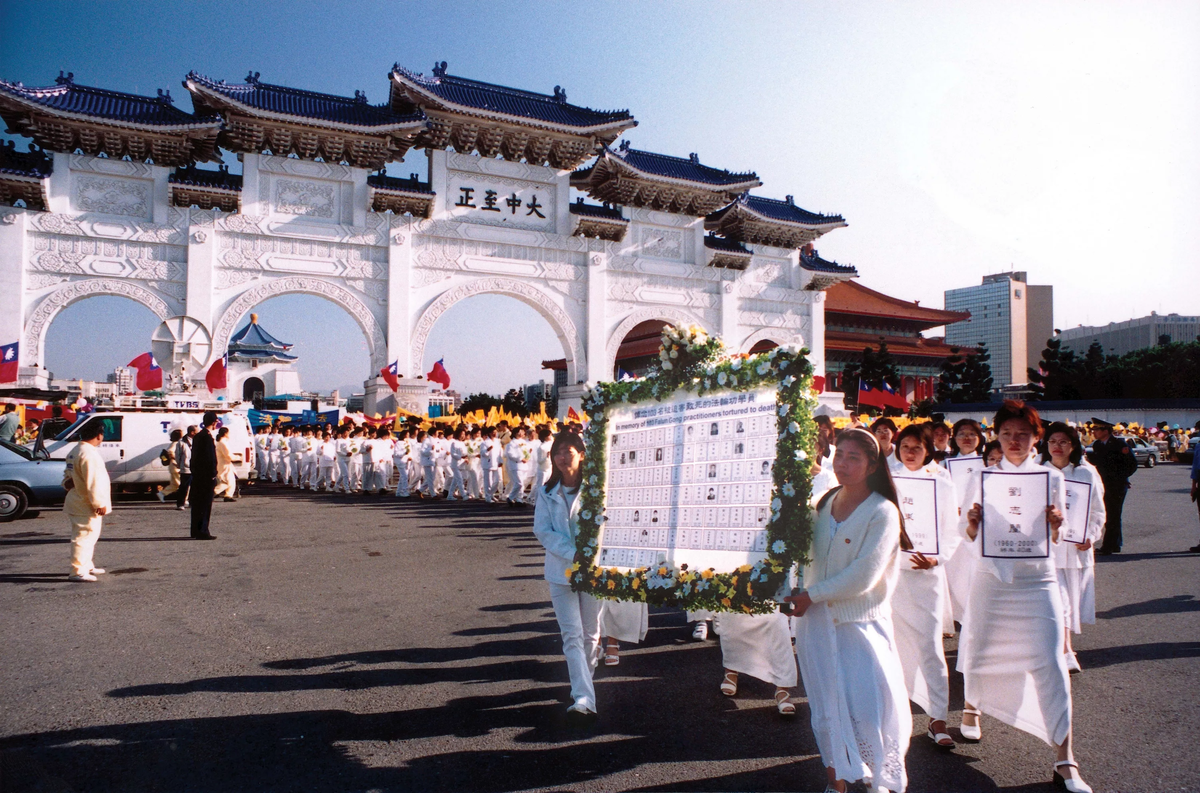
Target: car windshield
x: 15, y: 449
x: 62, y: 436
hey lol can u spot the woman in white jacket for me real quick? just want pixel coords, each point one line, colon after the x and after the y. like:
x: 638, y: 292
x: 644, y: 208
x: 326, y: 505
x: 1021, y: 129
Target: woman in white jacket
x: 1011, y: 650
x: 556, y: 525
x: 1076, y: 561
x: 918, y: 605
x: 844, y: 638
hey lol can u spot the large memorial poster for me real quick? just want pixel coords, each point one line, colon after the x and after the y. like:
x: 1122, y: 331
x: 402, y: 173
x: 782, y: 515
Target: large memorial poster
x: 1014, y: 514
x: 689, y: 481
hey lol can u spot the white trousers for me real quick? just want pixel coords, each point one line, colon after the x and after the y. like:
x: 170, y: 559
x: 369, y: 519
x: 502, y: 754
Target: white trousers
x: 474, y: 477
x: 283, y: 470
x: 491, y: 483
x: 578, y: 617
x: 456, y: 487
x: 261, y: 463
x: 294, y: 469
x: 401, y: 478
x: 514, y: 483
x: 356, y: 473
x: 343, y: 474
x: 85, y: 532
x: 326, y: 477
x: 372, y: 478
x: 428, y: 486
x: 917, y: 622
x: 308, y: 473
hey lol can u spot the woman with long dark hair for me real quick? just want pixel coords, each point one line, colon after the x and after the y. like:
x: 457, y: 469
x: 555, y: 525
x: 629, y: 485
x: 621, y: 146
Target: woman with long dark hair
x: 1076, y: 561
x: 556, y: 525
x: 966, y: 440
x: 1011, y: 650
x: 844, y: 635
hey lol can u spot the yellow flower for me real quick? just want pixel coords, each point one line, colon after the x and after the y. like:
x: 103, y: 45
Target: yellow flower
x: 746, y: 609
x: 749, y: 589
x: 734, y: 581
x: 570, y: 570
x: 744, y: 568
x: 727, y: 602
x: 707, y: 574
x: 662, y: 571
x: 612, y: 584
x: 635, y: 583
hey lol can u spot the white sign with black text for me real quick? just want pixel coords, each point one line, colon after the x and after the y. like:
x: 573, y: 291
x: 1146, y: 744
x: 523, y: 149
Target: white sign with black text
x: 963, y: 470
x: 1078, y: 496
x: 1014, y: 514
x: 918, y: 505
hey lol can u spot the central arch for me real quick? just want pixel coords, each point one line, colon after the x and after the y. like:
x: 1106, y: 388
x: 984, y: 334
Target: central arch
x: 669, y: 315
x: 541, y: 302
x: 376, y: 340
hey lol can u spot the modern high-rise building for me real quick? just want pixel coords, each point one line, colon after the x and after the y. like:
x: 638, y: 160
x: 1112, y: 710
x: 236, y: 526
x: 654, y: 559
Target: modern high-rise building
x: 1008, y: 316
x: 1118, y: 338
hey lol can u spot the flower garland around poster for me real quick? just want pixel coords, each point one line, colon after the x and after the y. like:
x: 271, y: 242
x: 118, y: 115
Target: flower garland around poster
x: 692, y: 361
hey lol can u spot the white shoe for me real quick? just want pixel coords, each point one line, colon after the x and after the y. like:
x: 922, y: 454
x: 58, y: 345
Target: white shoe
x: 98, y: 571
x: 1069, y: 783
x: 700, y: 632
x: 86, y: 577
x: 972, y: 734
x: 1073, y: 663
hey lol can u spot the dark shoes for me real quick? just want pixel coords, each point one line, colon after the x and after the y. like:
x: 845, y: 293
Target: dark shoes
x: 206, y: 537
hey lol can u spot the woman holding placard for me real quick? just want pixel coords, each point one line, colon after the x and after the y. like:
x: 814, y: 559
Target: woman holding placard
x: 1012, y: 641
x: 929, y: 503
x: 622, y: 621
x: 1082, y: 530
x: 556, y: 525
x: 964, y: 463
x: 844, y: 636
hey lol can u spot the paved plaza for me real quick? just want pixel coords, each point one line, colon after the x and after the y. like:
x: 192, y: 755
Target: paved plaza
x: 351, y: 644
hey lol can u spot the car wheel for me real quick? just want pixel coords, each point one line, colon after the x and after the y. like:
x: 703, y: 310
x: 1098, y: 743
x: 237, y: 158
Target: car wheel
x: 1151, y: 462
x: 13, y: 503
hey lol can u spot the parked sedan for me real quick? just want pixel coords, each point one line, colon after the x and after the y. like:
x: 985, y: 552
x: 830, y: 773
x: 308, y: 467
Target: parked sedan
x: 28, y: 480
x: 1146, y: 454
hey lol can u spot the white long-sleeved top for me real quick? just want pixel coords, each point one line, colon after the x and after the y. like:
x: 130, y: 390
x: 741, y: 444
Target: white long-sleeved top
x: 542, y: 457
x: 854, y: 570
x: 556, y: 525
x: 491, y: 454
x: 458, y: 451
x: 1065, y: 554
x: 428, y: 450
x: 1007, y: 569
x: 296, y: 445
x: 950, y: 528
x: 513, y: 452
x: 327, y: 452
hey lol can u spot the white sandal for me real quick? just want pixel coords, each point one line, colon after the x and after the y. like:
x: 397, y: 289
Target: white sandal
x: 700, y: 632
x: 729, y: 685
x: 972, y: 734
x: 1069, y: 783
x: 612, y: 654
x: 938, y: 737
x: 783, y: 702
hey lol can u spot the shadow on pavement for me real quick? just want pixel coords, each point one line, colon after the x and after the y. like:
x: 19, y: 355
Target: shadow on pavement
x: 1178, y: 604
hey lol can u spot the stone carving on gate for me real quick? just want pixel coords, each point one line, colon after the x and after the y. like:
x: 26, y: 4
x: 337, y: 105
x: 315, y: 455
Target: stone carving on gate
x: 343, y: 297
x: 559, y: 320
x: 309, y: 199
x: 112, y: 196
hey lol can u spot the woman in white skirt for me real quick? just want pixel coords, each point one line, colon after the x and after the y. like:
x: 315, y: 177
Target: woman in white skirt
x: 844, y: 637
x: 918, y: 604
x: 1075, y: 561
x: 759, y: 645
x: 622, y: 621
x: 1011, y: 651
x: 556, y: 525
x: 966, y: 441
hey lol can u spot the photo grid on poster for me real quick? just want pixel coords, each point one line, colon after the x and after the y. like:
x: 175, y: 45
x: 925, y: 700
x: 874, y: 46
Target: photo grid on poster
x: 689, y: 481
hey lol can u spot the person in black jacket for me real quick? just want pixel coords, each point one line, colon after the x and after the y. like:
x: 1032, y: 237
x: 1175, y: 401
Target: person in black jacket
x: 204, y: 477
x: 1114, y: 459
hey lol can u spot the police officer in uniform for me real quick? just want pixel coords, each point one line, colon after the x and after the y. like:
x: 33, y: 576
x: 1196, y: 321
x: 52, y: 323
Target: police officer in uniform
x: 1114, y: 459
x: 204, y: 477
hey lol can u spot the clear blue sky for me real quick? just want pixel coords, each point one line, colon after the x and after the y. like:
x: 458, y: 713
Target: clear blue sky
x: 958, y: 139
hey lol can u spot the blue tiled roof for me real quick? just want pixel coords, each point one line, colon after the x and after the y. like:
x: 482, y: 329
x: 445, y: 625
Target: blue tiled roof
x: 811, y: 261
x: 68, y: 97
x: 201, y: 177
x: 263, y: 354
x: 253, y: 337
x: 412, y: 184
x: 551, y: 108
x: 686, y: 168
x: 595, y: 210
x: 785, y: 210
x: 300, y: 103
x: 25, y: 163
x: 724, y: 244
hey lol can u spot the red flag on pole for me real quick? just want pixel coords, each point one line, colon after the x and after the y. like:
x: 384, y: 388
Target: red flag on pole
x: 391, y: 374
x: 438, y: 374
x: 819, y: 383
x: 10, y: 362
x: 572, y: 415
x: 217, y: 376
x: 149, y: 373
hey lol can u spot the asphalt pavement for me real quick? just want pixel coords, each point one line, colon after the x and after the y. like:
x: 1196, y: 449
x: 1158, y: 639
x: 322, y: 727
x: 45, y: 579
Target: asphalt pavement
x: 338, y: 643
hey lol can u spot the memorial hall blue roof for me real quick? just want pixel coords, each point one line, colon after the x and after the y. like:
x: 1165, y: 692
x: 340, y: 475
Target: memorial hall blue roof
x: 774, y: 209
x: 412, y: 184
x: 811, y: 261
x: 687, y: 168
x: 202, y: 177
x: 353, y: 111
x: 24, y: 163
x: 253, y: 338
x: 69, y: 97
x: 552, y: 108
x: 263, y: 354
x: 595, y: 210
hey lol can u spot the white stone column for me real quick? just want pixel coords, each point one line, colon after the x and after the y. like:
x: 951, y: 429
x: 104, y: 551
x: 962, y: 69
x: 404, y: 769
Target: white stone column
x: 201, y: 264
x: 816, y: 342
x: 58, y: 186
x: 161, y: 193
x: 253, y: 202
x: 399, y: 302
x: 12, y: 285
x: 438, y: 182
x: 597, y: 321
x: 729, y: 316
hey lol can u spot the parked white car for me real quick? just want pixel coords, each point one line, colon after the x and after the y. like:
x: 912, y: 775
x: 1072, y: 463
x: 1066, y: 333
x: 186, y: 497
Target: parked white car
x: 134, y: 440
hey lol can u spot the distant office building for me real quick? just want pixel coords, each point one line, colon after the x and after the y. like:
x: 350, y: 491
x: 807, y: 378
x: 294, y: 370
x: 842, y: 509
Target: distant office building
x: 1010, y: 317
x: 541, y: 391
x: 123, y: 380
x: 1118, y: 338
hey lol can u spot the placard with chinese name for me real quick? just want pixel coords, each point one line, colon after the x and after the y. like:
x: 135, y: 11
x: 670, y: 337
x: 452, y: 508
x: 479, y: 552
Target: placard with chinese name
x: 1014, y: 522
x: 1077, y: 496
x: 496, y: 201
x: 919, y: 506
x: 963, y: 470
x: 689, y: 481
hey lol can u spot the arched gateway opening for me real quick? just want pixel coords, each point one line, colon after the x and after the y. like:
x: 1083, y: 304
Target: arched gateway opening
x: 91, y: 338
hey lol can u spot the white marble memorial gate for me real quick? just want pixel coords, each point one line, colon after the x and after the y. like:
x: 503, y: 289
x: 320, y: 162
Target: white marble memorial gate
x: 114, y: 204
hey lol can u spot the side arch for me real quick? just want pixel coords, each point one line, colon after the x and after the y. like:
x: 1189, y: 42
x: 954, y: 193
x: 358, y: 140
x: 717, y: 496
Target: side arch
x: 40, y: 318
x: 344, y: 298
x: 667, y: 314
x: 560, y: 321
x: 780, y: 336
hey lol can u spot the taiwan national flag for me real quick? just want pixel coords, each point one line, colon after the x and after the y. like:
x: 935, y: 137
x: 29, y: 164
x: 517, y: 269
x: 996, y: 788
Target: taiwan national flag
x: 10, y: 360
x: 391, y: 374
x: 149, y: 373
x: 439, y: 375
x: 892, y: 398
x: 217, y: 376
x: 819, y: 384
x: 870, y: 397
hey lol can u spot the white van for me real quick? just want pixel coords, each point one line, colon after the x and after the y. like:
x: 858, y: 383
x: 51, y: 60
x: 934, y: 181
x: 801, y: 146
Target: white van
x: 133, y: 441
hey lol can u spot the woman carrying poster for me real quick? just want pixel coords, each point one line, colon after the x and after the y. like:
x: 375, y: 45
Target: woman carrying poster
x: 556, y: 525
x: 622, y: 621
x: 759, y: 645
x: 964, y: 462
x: 929, y: 503
x: 1012, y: 641
x: 844, y: 636
x: 1075, y: 560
